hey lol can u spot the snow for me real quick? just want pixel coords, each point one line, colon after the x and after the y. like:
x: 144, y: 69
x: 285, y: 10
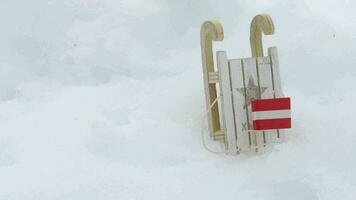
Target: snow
x: 103, y: 99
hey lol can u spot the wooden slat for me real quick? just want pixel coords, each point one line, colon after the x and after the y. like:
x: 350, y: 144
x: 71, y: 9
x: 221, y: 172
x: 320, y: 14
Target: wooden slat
x: 219, y: 136
x: 243, y: 138
x: 265, y: 80
x: 273, y: 54
x: 277, y: 86
x: 226, y: 102
x: 251, y: 81
x: 213, y: 77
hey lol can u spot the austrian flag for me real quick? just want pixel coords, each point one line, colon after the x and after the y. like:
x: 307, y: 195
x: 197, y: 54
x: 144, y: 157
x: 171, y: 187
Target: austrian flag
x: 271, y: 113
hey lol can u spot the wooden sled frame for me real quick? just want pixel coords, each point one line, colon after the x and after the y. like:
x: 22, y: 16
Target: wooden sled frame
x: 213, y: 31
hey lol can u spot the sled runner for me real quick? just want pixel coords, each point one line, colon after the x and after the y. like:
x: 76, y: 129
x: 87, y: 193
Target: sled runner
x: 247, y: 110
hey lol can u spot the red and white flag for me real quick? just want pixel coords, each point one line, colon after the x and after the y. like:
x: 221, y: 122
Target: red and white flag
x: 271, y: 113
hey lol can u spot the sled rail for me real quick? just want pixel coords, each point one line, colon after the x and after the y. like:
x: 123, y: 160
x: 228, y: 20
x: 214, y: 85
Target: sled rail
x: 211, y: 31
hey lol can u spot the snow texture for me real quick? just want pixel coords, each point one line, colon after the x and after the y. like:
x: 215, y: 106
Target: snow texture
x: 103, y: 99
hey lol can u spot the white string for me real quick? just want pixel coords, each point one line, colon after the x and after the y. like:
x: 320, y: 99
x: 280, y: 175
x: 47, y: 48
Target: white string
x: 202, y: 128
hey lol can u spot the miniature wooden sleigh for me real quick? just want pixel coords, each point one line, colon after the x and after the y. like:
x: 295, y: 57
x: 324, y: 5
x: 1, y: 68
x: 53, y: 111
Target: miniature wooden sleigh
x: 240, y: 83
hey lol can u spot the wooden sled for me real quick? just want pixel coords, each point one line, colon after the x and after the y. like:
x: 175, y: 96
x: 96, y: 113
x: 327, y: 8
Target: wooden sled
x: 236, y: 82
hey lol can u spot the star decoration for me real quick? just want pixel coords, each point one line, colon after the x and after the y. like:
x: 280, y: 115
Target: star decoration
x: 252, y: 91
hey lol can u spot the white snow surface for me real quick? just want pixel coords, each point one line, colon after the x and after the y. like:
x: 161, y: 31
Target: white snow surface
x: 103, y: 99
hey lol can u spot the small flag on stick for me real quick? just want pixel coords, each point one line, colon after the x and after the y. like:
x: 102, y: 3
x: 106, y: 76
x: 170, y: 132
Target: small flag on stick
x: 271, y: 113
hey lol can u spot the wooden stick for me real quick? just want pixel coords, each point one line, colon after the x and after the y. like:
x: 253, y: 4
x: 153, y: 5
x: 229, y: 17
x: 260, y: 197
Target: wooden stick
x: 210, y: 31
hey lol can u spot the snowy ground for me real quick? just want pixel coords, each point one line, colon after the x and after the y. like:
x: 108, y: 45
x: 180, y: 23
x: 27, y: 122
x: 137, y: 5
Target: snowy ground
x: 103, y: 99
